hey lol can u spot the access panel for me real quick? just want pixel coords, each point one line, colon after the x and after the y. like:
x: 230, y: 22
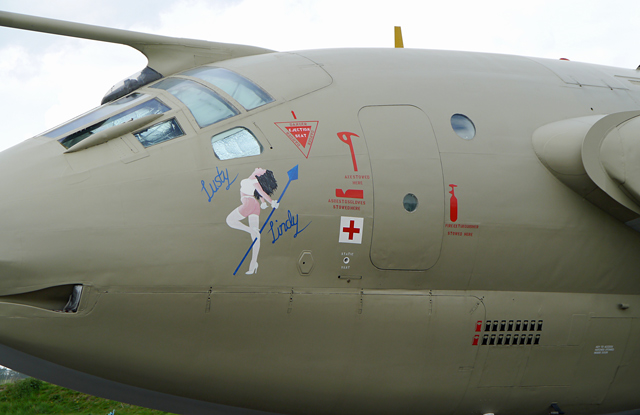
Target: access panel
x: 408, y: 196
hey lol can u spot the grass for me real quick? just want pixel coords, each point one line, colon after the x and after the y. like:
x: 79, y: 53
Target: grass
x: 33, y: 397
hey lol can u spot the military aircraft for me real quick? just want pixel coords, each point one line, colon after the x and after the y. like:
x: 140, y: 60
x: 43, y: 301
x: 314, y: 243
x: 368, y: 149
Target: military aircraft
x: 351, y: 231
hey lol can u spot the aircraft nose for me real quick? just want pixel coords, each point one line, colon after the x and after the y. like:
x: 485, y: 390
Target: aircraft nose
x: 30, y: 189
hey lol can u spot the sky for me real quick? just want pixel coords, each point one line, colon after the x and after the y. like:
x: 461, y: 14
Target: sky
x: 46, y: 80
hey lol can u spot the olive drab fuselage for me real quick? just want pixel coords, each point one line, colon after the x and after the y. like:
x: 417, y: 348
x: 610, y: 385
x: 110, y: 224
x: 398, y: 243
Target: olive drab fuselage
x: 332, y: 232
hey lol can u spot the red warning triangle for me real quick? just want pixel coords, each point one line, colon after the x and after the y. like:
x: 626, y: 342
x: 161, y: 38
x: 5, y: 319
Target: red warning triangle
x: 301, y: 133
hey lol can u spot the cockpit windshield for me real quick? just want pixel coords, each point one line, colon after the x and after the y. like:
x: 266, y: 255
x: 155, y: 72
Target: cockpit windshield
x: 205, y: 105
x: 248, y: 94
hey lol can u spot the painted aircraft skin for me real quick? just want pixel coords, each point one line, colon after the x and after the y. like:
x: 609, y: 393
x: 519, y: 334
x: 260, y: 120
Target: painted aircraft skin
x: 510, y: 286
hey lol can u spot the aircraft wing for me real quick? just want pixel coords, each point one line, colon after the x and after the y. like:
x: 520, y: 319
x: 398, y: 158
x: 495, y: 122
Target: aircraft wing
x: 167, y: 55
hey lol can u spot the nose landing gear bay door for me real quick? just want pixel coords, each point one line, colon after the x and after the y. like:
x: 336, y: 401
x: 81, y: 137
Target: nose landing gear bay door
x: 408, y: 195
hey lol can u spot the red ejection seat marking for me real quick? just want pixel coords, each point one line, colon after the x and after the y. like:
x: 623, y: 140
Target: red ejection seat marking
x: 301, y: 133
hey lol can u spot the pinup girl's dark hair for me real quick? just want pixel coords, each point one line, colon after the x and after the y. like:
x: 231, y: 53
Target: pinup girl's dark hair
x: 267, y: 182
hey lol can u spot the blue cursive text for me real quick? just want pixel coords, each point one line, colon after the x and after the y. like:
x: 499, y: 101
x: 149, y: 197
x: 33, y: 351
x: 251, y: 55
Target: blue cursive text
x: 278, y: 230
x: 216, y: 184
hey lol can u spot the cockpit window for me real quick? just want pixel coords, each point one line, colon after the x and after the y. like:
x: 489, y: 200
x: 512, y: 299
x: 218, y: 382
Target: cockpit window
x: 206, y: 106
x: 96, y: 114
x: 248, y: 94
x: 135, y: 81
x: 153, y: 106
x: 161, y: 132
x: 463, y: 126
x: 235, y: 143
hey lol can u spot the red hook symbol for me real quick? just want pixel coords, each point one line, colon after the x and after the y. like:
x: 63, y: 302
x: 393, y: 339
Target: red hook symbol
x: 345, y: 137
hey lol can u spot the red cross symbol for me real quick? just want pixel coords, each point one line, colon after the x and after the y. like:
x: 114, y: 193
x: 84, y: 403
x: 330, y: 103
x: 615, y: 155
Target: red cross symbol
x: 351, y: 229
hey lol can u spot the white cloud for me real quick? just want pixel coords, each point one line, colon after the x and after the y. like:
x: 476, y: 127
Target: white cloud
x: 46, y: 79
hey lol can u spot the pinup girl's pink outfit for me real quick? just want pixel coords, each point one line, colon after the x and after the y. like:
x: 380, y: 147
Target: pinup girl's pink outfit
x: 250, y: 206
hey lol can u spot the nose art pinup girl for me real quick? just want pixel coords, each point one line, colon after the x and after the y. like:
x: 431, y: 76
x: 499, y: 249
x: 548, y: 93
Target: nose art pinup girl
x: 257, y: 187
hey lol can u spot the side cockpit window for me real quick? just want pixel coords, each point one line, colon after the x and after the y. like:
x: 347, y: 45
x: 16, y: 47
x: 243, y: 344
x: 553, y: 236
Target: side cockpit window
x: 205, y: 105
x: 248, y: 94
x: 159, y: 133
x: 235, y: 143
x: 95, y: 114
x: 211, y: 95
x: 150, y: 107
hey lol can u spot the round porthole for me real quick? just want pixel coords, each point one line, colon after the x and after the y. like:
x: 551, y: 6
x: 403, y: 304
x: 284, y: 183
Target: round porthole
x: 463, y: 126
x: 410, y: 202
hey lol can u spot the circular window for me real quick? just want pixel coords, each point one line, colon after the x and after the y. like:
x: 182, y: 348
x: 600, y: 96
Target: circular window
x: 463, y: 126
x: 410, y: 202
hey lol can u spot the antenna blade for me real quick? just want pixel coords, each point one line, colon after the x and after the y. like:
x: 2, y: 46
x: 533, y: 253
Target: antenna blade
x: 398, y: 37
